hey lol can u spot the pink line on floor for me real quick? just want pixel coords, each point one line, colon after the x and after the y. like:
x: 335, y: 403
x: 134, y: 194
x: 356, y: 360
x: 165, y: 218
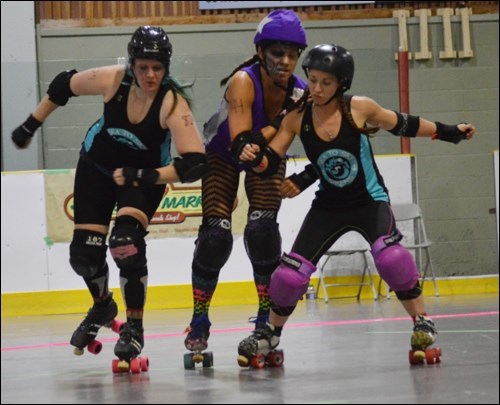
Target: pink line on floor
x: 288, y: 326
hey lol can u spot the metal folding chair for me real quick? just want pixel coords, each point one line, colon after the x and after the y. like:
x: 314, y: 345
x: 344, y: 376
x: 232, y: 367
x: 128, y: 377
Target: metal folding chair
x: 367, y: 272
x: 410, y: 222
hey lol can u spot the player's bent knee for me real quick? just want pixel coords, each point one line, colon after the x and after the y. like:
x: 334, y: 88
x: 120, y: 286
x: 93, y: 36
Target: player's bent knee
x: 87, y: 252
x: 127, y: 244
x: 290, y: 280
x: 263, y: 242
x: 213, y: 248
x: 395, y: 264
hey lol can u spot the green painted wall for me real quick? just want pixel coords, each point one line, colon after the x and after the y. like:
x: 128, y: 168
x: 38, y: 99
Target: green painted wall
x: 455, y: 182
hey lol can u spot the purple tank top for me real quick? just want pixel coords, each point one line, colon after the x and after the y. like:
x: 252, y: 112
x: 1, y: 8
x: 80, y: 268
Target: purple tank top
x: 216, y: 130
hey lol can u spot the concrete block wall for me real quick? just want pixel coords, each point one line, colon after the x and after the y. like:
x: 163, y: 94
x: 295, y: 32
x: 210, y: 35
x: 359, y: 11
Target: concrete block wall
x: 456, y: 182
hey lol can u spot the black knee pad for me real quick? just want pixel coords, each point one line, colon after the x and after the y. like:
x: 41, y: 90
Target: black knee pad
x: 127, y: 245
x: 213, y: 246
x: 263, y: 242
x: 282, y: 311
x: 87, y: 252
x: 415, y: 292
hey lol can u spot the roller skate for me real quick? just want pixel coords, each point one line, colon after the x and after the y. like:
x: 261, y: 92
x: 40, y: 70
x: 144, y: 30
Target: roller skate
x: 424, y: 335
x: 101, y: 314
x: 197, y: 341
x: 257, y: 350
x: 128, y: 348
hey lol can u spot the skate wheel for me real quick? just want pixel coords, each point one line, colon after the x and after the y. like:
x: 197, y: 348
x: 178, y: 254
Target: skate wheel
x: 242, y: 361
x: 276, y: 358
x: 208, y: 359
x: 78, y: 351
x: 117, y: 325
x: 258, y: 361
x: 123, y: 366
x: 115, y: 368
x: 144, y: 363
x: 94, y: 347
x: 135, y: 365
x: 414, y: 360
x: 188, y: 361
x: 430, y: 356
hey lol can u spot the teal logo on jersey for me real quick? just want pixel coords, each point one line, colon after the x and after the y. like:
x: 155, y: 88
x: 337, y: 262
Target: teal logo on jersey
x: 126, y: 137
x: 338, y: 167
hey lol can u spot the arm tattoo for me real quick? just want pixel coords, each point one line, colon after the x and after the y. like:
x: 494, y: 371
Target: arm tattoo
x: 188, y: 119
x: 237, y: 106
x: 94, y: 74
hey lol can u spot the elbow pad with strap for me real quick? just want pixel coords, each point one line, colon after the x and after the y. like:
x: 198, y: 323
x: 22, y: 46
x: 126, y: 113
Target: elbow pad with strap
x: 407, y: 125
x: 191, y: 167
x: 59, y: 90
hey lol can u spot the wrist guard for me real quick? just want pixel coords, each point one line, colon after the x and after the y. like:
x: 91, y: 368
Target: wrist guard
x: 144, y: 177
x: 407, y: 125
x: 276, y: 122
x: 23, y: 133
x: 449, y: 133
x: 305, y: 178
x: 244, y: 138
x: 273, y: 162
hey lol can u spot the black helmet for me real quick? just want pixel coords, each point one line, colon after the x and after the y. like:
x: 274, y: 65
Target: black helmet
x: 150, y: 43
x: 332, y: 59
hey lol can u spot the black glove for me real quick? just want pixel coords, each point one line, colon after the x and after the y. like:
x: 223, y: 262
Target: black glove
x: 449, y: 133
x: 144, y: 177
x: 305, y: 178
x: 23, y: 133
x: 245, y: 138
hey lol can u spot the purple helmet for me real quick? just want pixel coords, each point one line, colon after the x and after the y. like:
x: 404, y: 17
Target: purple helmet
x: 281, y: 26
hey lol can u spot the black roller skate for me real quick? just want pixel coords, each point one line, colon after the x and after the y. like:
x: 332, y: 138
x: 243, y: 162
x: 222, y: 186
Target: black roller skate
x: 257, y: 350
x: 128, y: 348
x: 197, y: 341
x: 424, y: 335
x: 101, y: 314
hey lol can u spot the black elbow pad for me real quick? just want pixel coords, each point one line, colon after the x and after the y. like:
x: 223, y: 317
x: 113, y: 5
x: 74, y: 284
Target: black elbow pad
x: 191, y: 167
x: 59, y: 90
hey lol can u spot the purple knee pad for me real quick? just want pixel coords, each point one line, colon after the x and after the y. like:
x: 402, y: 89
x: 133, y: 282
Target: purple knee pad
x: 395, y: 264
x: 290, y: 280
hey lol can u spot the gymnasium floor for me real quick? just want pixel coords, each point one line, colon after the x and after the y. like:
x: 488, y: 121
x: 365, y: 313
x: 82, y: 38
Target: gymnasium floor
x: 337, y: 353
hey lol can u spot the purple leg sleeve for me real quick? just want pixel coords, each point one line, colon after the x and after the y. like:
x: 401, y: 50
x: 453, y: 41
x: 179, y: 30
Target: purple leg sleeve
x: 395, y: 265
x: 290, y: 280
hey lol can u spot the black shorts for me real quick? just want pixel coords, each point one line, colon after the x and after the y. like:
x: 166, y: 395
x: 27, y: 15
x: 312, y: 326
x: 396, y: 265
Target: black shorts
x: 96, y: 195
x: 322, y: 227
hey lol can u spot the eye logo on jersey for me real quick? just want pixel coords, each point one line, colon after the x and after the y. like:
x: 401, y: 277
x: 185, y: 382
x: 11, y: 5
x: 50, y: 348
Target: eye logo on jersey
x: 338, y: 167
x: 126, y: 137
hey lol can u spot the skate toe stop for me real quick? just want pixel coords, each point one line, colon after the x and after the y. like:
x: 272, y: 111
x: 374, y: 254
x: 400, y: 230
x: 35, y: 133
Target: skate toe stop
x: 78, y: 351
x: 243, y: 361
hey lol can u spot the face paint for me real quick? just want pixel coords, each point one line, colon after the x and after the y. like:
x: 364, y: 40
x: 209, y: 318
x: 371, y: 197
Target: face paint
x: 281, y: 59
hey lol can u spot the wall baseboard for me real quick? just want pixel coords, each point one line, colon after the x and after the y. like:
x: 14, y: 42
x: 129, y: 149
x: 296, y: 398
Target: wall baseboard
x: 228, y: 293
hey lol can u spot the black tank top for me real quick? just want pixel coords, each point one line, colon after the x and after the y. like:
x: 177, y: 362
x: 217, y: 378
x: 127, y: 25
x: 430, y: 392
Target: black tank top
x: 347, y: 170
x: 113, y: 141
